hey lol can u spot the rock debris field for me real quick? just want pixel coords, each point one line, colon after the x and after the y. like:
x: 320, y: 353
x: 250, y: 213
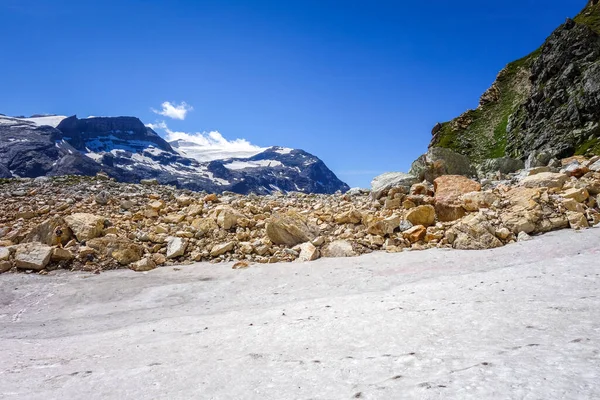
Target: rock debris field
x: 516, y: 322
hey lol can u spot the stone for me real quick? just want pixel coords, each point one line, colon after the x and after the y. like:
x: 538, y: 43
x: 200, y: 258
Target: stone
x: 4, y: 254
x: 308, y: 252
x: 405, y: 225
x: 575, y: 169
x: 572, y: 205
x: 523, y: 237
x: 448, y: 190
x: 503, y: 233
x: 102, y: 198
x: 227, y: 218
x: 384, y: 227
x: 157, y: 205
x: 595, y: 166
x: 537, y: 159
x: 338, y: 248
x: 439, y: 161
x: 291, y: 228
x: 51, y: 232
x: 149, y: 182
x: 474, y: 201
x: 143, y: 265
x: 61, y: 254
x: 204, y: 225
x: 578, y: 194
x: 220, y: 249
x: 176, y: 247
x: 545, y: 179
x: 121, y: 250
x: 5, y: 266
x: 126, y: 204
x: 85, y: 226
x: 474, y: 232
x: 393, y: 204
x: 577, y: 220
x: 415, y: 234
x: 522, y: 211
x: 184, y: 200
x: 389, y: 180
x: 422, y: 215
x: 241, y: 265
x: 349, y: 217
x: 159, y: 259
x: 35, y: 256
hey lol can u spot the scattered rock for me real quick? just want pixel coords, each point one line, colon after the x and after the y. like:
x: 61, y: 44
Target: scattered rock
x: 308, y: 252
x: 35, y: 256
x: 176, y: 247
x: 545, y: 179
x: 85, y: 226
x: 220, y: 249
x: 291, y: 229
x: 338, y: 248
x: 145, y: 264
x: 387, y: 181
x: 422, y: 215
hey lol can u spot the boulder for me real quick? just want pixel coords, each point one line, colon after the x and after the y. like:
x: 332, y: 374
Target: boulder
x: 523, y: 212
x: 384, y: 227
x: 220, y: 249
x: 595, y: 166
x: 577, y: 220
x: 34, y: 256
x: 121, y: 250
x: 439, y: 161
x: 422, y: 215
x: 5, y: 266
x: 545, y: 179
x: 349, y: 217
x: 578, y: 194
x: 474, y: 232
x: 176, y: 247
x: 538, y: 159
x: 308, y: 252
x: 85, y: 226
x: 291, y: 229
x: 227, y: 218
x: 415, y: 234
x: 51, y: 232
x: 448, y: 190
x: 60, y: 254
x: 523, y: 237
x: 338, y: 248
x: 204, y: 225
x: 4, y: 254
x: 145, y: 264
x: 102, y: 198
x: 382, y: 183
x: 473, y: 201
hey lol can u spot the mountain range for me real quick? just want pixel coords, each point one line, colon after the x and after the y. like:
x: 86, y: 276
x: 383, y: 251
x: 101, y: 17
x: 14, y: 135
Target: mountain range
x: 129, y: 151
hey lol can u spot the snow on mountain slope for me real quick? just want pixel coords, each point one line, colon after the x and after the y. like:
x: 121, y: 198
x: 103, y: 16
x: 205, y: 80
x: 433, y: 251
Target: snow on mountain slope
x: 129, y: 151
x: 211, y: 151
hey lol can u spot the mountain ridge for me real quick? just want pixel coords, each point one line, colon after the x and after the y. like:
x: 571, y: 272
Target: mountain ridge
x: 129, y: 151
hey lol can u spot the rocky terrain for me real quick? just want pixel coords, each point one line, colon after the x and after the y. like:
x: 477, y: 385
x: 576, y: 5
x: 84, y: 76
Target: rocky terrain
x: 547, y: 103
x: 95, y: 223
x: 127, y: 150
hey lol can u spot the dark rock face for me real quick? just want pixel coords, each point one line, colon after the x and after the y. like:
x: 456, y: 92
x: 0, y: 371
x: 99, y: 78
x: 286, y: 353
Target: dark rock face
x: 563, y: 110
x: 548, y: 101
x: 129, y: 151
x: 27, y: 150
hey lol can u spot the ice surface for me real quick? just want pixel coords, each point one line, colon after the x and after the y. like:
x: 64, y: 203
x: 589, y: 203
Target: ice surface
x: 52, y: 120
x: 518, y: 322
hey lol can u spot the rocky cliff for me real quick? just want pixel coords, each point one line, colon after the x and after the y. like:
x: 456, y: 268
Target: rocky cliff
x: 548, y: 101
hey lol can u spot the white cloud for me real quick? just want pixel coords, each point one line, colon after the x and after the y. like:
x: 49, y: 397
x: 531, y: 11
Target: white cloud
x: 173, y: 110
x: 208, y: 146
x: 157, y: 125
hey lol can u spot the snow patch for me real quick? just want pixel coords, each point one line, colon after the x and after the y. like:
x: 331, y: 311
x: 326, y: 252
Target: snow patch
x: 237, y: 165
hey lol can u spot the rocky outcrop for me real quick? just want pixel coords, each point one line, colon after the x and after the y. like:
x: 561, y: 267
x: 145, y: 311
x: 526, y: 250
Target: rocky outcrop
x: 440, y: 161
x: 548, y: 102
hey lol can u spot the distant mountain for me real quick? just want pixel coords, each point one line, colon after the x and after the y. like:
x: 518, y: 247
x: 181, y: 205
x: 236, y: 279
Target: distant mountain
x: 127, y: 150
x: 547, y: 102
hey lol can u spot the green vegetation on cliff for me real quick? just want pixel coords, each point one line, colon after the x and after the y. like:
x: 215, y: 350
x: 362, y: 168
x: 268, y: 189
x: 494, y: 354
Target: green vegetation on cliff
x: 483, y: 133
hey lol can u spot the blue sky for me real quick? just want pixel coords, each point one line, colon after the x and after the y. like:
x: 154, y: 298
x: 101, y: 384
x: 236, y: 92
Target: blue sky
x: 358, y: 83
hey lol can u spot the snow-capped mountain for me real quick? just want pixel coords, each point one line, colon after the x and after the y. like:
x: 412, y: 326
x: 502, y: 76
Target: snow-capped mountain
x: 129, y: 151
